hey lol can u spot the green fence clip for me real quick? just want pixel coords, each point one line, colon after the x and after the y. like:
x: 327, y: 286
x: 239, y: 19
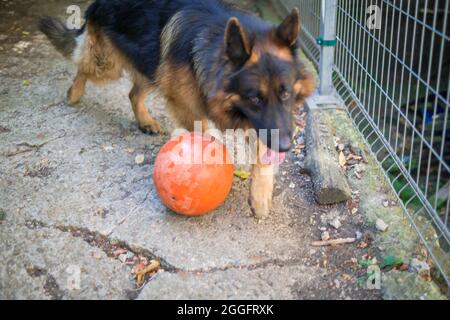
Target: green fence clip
x: 326, y: 43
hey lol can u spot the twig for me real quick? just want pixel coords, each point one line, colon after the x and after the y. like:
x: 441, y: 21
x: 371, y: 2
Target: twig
x: 151, y: 268
x: 30, y: 147
x: 333, y: 242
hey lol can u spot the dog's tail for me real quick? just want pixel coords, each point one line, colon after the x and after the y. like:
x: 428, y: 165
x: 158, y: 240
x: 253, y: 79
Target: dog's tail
x: 62, y: 38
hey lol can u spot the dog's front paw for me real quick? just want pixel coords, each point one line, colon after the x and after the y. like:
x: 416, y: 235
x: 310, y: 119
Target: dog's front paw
x: 261, y: 208
x: 260, y: 202
x: 151, y: 128
x: 73, y: 98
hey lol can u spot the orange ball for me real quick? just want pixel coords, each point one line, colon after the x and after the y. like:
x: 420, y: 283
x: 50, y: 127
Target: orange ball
x: 193, y: 174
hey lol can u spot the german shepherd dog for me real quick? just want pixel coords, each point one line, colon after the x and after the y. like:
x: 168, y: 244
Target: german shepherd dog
x: 211, y: 61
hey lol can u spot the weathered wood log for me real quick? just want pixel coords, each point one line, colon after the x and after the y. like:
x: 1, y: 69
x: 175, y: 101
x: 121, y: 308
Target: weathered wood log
x: 321, y: 163
x: 333, y: 242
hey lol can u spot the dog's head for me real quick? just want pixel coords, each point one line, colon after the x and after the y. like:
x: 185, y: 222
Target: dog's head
x: 267, y: 81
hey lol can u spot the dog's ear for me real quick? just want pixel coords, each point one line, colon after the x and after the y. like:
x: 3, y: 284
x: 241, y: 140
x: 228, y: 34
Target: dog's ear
x: 289, y: 30
x: 237, y: 46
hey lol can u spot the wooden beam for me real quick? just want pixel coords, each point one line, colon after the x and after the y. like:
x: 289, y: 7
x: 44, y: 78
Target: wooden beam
x: 321, y: 163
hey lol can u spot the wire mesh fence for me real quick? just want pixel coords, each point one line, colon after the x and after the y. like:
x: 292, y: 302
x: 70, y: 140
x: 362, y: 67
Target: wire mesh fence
x: 392, y: 69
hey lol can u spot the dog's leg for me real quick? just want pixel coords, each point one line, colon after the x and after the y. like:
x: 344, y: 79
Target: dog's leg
x: 145, y: 122
x: 76, y: 91
x: 205, y: 125
x: 261, y: 189
x: 262, y: 182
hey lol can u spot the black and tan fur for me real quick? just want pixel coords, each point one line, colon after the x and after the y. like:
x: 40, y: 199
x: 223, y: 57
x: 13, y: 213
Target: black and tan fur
x: 209, y: 59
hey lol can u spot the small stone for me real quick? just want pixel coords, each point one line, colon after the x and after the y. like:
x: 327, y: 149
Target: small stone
x: 292, y: 185
x: 381, y: 225
x: 337, y: 283
x: 108, y: 148
x: 341, y: 146
x: 130, y: 255
x: 325, y: 236
x: 420, y: 267
x: 424, y: 252
x: 139, y: 159
x: 323, y: 229
x: 130, y: 150
x: 335, y: 223
x: 21, y: 45
x: 358, y: 235
x: 385, y: 203
x: 123, y: 257
x: 284, y: 173
x: 354, y: 210
x: 101, y: 212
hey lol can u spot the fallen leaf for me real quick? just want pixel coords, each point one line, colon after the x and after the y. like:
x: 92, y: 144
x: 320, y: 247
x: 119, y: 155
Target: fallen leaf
x: 403, y: 267
x: 26, y: 83
x: 242, y: 174
x: 120, y: 251
x: 148, y: 270
x: 391, y: 261
x: 363, y: 245
x: 342, y: 160
x: 139, y: 159
x: 351, y: 156
x: 365, y: 263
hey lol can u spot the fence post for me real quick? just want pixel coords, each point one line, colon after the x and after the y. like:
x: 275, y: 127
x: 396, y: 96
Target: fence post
x: 327, y: 41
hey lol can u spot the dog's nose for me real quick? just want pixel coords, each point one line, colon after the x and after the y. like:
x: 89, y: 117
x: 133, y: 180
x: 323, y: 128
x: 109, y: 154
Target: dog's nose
x: 285, y: 143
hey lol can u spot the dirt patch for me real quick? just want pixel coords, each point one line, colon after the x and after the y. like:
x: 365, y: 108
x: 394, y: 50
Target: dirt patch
x: 51, y: 287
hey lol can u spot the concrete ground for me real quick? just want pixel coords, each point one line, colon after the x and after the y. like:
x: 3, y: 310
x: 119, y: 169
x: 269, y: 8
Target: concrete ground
x: 78, y: 213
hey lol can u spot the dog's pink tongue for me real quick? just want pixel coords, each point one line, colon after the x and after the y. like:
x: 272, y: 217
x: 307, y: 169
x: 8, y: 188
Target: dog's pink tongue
x: 273, y: 157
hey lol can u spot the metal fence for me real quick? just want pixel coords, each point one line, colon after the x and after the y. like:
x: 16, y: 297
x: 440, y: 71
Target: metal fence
x: 391, y: 68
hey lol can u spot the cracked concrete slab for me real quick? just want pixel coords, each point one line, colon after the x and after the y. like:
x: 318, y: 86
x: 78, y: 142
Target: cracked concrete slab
x: 271, y: 282
x: 44, y: 263
x: 230, y: 236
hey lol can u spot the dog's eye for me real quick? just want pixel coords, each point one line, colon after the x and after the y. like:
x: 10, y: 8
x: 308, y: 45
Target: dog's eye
x: 285, y: 95
x: 255, y: 100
